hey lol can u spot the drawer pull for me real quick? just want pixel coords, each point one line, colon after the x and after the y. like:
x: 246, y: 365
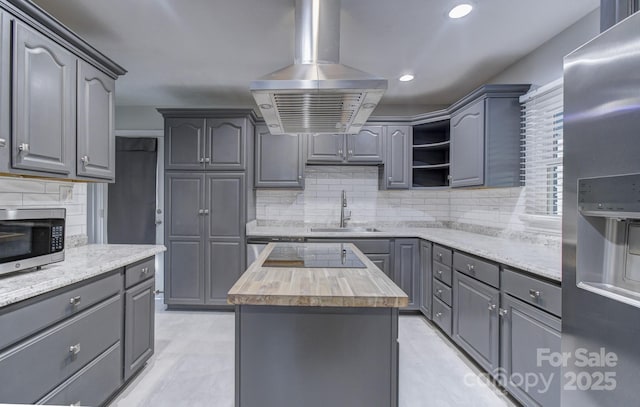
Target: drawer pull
x: 439, y: 292
x: 439, y: 272
x: 201, y: 159
x: 492, y: 307
x: 74, y: 349
x: 75, y: 300
x: 439, y: 314
x: 503, y: 312
x: 24, y: 147
x: 440, y: 256
x: 470, y: 267
x: 534, y: 294
x: 145, y: 270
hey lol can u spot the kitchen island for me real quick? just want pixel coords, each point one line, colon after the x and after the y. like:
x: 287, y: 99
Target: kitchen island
x: 316, y: 325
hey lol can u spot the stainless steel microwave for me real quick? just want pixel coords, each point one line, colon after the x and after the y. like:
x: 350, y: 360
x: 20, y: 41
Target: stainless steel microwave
x: 30, y: 238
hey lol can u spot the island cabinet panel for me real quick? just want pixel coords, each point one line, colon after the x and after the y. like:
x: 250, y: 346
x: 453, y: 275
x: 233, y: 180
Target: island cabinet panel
x: 44, y: 103
x: 96, y: 151
x: 524, y: 331
x: 475, y: 320
x: 407, y: 269
x: 328, y: 366
x: 223, y: 267
x: 279, y: 159
x: 425, y: 279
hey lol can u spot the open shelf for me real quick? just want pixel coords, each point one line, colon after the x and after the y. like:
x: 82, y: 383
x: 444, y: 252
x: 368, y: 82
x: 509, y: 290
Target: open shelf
x: 430, y: 155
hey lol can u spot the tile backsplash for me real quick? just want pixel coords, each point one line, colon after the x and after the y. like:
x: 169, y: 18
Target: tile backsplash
x: 497, y: 209
x: 40, y: 193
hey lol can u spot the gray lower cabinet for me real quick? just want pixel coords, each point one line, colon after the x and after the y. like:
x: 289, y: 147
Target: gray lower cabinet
x: 279, y: 159
x: 204, y: 220
x: 397, y: 157
x: 44, y: 117
x: 366, y: 147
x: 138, y: 326
x: 382, y: 261
x: 524, y: 331
x: 425, y: 279
x: 485, y: 137
x: 406, y: 269
x: 96, y: 119
x: 475, y: 320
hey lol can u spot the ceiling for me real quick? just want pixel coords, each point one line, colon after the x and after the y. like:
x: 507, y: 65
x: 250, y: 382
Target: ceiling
x: 204, y: 53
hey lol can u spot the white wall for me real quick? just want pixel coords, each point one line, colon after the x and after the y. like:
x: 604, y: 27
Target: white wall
x: 545, y: 64
x: 138, y: 118
x: 40, y: 193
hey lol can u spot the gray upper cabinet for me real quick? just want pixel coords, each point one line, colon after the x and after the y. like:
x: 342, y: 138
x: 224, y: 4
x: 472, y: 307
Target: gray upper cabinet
x: 366, y: 146
x: 485, y: 137
x: 44, y: 103
x: 397, y: 162
x: 184, y: 141
x: 225, y: 144
x: 279, y: 159
x: 475, y: 320
x: 5, y: 94
x: 96, y: 115
x: 407, y: 269
x: 524, y: 331
x: 325, y: 148
x: 425, y: 279
x: 467, y: 143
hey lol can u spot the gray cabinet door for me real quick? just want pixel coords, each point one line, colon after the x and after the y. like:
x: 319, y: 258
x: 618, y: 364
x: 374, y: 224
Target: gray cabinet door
x: 467, y: 145
x: 225, y: 195
x: 475, y: 320
x: 225, y: 144
x: 325, y: 148
x: 397, y: 157
x: 425, y: 277
x: 524, y: 331
x: 5, y: 91
x: 44, y: 103
x: 383, y: 262
x: 407, y: 269
x: 184, y: 144
x: 96, y: 113
x: 184, y: 231
x: 366, y: 146
x: 279, y: 160
x: 225, y: 264
x: 138, y: 326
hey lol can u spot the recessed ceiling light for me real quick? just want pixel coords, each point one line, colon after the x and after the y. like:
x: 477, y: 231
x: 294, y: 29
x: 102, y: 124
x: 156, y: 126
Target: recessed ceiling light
x: 460, y: 10
x: 406, y: 78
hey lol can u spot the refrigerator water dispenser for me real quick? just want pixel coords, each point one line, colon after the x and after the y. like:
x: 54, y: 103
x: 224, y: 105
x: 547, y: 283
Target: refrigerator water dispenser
x: 608, y: 245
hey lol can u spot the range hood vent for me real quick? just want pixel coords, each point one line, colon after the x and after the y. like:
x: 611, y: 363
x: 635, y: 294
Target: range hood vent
x: 317, y: 94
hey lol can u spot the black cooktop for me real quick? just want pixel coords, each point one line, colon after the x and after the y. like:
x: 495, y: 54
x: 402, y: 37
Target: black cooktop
x: 313, y: 255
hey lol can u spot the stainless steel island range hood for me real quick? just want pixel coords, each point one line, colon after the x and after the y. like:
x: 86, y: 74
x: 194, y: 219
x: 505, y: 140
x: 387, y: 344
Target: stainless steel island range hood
x: 317, y: 94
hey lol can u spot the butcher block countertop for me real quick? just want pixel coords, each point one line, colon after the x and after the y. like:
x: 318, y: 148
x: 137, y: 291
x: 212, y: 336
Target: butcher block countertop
x: 316, y: 287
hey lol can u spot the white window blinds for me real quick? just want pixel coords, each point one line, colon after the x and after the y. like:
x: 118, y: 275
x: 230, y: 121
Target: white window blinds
x: 542, y: 149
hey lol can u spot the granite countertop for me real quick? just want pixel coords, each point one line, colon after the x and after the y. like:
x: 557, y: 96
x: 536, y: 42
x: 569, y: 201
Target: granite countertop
x: 323, y: 287
x: 541, y: 260
x: 80, y: 263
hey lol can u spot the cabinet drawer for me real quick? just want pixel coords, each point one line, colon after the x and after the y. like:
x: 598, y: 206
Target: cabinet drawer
x: 17, y: 324
x: 30, y: 370
x: 442, y: 273
x: 479, y: 269
x: 92, y: 385
x: 140, y: 271
x: 442, y: 292
x: 442, y: 315
x: 442, y: 255
x: 539, y: 293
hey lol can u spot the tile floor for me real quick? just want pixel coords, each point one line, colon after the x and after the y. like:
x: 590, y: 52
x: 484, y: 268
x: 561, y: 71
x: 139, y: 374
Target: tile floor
x: 193, y: 366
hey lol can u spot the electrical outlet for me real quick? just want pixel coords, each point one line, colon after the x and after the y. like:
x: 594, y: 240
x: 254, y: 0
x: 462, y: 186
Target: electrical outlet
x: 66, y: 193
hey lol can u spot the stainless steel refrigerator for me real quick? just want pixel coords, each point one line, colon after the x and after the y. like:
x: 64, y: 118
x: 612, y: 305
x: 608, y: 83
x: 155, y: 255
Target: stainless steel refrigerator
x: 601, y: 221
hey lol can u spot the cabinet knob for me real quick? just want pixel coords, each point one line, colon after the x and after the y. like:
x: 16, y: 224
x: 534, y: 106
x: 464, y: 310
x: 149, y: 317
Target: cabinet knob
x: 492, y: 307
x: 340, y: 152
x: 390, y: 179
x: 207, y: 159
x: 439, y: 314
x: 439, y: 292
x: 535, y: 294
x: 200, y: 211
x: 300, y: 177
x: 470, y: 267
x: 206, y: 211
x: 75, y: 300
x: 84, y: 159
x: 74, y: 349
x: 24, y: 147
x: 3, y: 142
x: 449, y: 177
x: 145, y: 270
x: 351, y: 153
x: 503, y: 312
x: 439, y: 272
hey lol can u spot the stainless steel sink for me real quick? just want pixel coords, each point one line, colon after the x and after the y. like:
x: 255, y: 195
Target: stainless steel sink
x: 353, y: 230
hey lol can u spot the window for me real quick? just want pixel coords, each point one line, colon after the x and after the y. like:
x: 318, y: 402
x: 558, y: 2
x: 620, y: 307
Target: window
x: 542, y: 150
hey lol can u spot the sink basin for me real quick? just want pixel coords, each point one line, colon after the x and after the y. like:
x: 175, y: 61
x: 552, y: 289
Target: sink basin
x: 356, y: 230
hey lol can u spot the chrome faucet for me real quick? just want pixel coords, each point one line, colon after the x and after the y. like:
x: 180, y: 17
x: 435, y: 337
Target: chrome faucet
x: 343, y: 204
